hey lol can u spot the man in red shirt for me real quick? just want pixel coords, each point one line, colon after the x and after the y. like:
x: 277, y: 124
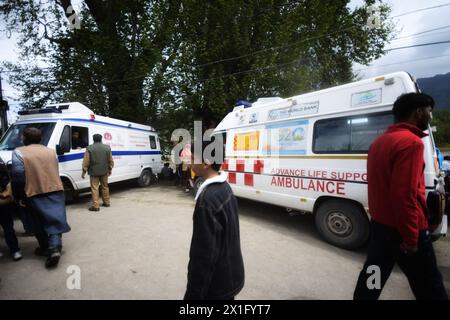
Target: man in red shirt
x: 396, y: 186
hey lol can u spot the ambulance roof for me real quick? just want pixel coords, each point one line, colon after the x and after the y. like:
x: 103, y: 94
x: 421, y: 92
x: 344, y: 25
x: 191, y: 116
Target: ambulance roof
x: 73, y: 111
x: 363, y: 94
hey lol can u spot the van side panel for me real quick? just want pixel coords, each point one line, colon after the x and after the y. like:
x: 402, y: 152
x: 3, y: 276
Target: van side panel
x: 270, y: 151
x: 293, y: 177
x: 130, y: 149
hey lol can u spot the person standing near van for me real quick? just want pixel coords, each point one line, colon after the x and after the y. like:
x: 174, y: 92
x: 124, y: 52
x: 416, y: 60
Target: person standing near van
x: 396, y: 186
x: 98, y: 163
x: 216, y: 267
x: 36, y: 184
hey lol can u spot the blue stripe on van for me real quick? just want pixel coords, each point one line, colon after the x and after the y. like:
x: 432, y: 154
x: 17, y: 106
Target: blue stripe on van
x: 70, y: 157
x: 77, y: 156
x: 134, y: 153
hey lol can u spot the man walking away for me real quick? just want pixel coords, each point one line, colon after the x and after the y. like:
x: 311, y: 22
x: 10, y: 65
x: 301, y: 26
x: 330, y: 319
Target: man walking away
x: 98, y: 162
x: 216, y: 268
x: 399, y: 227
x: 36, y: 184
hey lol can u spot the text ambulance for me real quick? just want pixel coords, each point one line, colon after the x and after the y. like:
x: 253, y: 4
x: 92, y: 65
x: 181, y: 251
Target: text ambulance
x: 309, y: 152
x: 69, y: 127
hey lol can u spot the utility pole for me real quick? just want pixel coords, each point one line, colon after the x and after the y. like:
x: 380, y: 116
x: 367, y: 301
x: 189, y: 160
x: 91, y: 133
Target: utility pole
x: 3, y: 111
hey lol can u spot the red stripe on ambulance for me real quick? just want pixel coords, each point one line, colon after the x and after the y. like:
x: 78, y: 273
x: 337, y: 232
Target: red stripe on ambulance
x: 258, y: 166
x: 232, y: 177
x: 240, y: 165
x: 225, y: 165
x: 248, y: 179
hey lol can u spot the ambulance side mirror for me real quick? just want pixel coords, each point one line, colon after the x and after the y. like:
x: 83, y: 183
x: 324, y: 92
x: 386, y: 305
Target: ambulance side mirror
x: 59, y: 150
x: 62, y: 148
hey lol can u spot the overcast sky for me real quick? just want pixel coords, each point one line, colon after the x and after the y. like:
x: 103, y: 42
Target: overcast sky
x: 427, y: 60
x: 411, y: 24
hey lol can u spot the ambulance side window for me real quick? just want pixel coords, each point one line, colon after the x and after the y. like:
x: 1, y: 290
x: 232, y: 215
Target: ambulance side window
x: 365, y: 129
x: 353, y: 134
x: 331, y: 136
x: 80, y: 137
x: 152, y: 142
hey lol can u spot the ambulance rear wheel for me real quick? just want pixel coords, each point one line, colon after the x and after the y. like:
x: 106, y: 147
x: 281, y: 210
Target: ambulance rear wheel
x: 145, y: 179
x: 342, y: 223
x: 198, y: 183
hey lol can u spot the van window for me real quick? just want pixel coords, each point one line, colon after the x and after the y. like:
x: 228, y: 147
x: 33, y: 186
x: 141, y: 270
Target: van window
x: 13, y: 137
x: 152, y: 142
x: 352, y: 134
x: 80, y: 137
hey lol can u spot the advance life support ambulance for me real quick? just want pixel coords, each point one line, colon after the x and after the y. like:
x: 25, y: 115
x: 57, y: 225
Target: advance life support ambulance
x: 135, y: 147
x: 309, y: 152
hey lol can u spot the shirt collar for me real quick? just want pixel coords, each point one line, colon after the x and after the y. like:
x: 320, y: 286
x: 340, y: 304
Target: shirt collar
x: 409, y: 127
x: 221, y: 178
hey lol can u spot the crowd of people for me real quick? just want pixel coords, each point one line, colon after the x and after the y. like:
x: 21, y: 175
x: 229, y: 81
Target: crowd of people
x: 400, y: 232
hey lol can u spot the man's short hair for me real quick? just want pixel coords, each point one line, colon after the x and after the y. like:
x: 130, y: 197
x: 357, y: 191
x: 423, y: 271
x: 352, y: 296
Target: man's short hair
x: 31, y: 135
x: 215, y: 161
x: 97, y: 137
x: 407, y: 103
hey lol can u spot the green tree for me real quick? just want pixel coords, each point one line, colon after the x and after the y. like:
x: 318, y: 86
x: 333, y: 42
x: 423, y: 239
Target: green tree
x: 121, y: 47
x: 441, y: 120
x: 238, y: 49
x: 169, y: 62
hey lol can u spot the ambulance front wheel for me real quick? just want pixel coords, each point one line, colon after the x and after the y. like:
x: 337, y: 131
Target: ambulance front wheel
x: 342, y: 223
x: 145, y: 179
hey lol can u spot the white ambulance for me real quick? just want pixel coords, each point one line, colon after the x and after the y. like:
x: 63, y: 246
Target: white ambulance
x: 308, y: 152
x: 68, y: 128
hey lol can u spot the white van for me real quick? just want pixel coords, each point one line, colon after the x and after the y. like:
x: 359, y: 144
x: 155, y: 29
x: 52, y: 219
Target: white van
x: 308, y: 152
x: 135, y: 147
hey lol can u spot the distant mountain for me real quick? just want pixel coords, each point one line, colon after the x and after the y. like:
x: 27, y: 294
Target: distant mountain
x: 439, y: 88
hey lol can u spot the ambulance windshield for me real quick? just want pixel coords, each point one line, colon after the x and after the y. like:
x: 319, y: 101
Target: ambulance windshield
x: 13, y: 137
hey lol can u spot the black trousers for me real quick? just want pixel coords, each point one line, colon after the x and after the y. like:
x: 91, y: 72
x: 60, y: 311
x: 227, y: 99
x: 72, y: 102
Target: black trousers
x: 7, y: 223
x: 420, y: 268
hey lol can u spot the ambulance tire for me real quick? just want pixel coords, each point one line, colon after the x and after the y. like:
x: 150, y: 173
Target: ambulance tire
x: 145, y: 179
x: 342, y: 223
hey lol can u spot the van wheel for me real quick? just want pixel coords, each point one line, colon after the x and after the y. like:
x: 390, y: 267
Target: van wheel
x: 197, y: 183
x: 342, y: 224
x: 145, y: 179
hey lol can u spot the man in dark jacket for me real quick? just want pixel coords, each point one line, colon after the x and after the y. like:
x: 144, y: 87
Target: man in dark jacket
x: 396, y: 186
x: 98, y: 162
x: 216, y: 268
x: 6, y: 213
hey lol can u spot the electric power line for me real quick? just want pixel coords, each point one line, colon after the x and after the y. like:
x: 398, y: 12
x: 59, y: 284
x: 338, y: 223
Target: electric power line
x: 419, y: 10
x: 419, y: 45
x: 423, y: 32
x: 402, y: 62
x: 290, y: 45
x: 268, y: 68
